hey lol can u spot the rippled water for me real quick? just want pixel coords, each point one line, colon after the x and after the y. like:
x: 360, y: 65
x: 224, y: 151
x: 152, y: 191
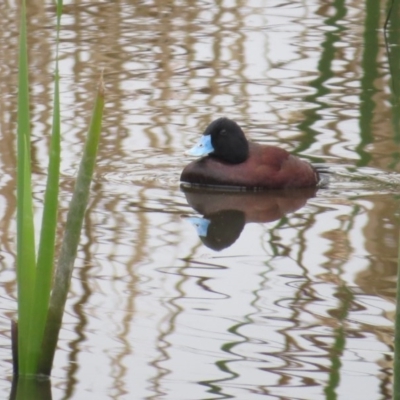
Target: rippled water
x: 286, y: 295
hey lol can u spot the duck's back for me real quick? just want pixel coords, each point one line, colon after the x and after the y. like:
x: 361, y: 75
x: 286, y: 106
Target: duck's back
x: 267, y: 167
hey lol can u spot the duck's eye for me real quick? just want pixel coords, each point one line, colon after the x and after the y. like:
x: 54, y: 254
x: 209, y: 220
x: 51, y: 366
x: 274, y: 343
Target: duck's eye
x: 223, y: 132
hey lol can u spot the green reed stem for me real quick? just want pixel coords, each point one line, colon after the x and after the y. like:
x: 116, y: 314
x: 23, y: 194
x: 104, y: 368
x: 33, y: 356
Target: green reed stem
x: 26, y: 267
x: 45, y: 260
x: 70, y: 242
x: 26, y: 388
x: 39, y: 315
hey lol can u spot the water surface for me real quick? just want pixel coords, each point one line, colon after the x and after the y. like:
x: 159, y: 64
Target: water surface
x: 293, y: 294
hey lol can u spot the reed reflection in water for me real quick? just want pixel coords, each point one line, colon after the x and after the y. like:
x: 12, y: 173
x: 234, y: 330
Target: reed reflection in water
x: 301, y: 298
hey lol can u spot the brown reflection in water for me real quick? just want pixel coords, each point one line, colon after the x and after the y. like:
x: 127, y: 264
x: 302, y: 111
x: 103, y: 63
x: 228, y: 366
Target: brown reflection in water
x: 178, y: 71
x: 380, y: 238
x: 231, y: 71
x: 289, y: 359
x: 381, y: 235
x: 79, y: 303
x: 166, y: 329
x: 226, y: 213
x: 111, y: 45
x: 98, y: 45
x: 172, y: 57
x: 307, y: 344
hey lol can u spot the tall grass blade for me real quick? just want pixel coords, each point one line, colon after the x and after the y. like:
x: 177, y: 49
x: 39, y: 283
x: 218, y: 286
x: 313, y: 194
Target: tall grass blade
x: 71, y: 236
x: 45, y: 261
x: 26, y: 268
x: 26, y: 388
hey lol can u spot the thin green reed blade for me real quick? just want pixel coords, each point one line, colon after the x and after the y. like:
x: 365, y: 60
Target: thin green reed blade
x: 71, y: 237
x: 25, y: 228
x: 26, y: 388
x: 46, y: 250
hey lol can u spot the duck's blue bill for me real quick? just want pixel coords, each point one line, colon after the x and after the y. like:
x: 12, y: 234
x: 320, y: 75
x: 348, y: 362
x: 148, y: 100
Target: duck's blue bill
x: 201, y: 225
x: 202, y: 148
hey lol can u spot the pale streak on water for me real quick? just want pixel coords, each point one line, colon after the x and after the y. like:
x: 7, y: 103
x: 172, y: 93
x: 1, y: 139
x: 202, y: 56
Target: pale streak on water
x: 154, y: 313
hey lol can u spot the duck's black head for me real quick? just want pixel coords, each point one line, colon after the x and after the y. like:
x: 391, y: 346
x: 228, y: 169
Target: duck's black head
x: 228, y: 140
x: 225, y: 140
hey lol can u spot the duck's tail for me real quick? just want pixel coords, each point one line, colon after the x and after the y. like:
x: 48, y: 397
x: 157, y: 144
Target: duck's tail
x: 323, y: 171
x: 322, y: 168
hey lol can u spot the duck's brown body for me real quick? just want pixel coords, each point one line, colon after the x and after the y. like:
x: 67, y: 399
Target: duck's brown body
x: 267, y: 167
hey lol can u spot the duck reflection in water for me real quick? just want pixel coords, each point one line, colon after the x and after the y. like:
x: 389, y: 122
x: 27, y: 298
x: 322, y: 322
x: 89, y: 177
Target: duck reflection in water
x: 226, y: 213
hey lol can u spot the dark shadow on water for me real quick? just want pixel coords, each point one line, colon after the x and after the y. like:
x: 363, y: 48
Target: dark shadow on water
x: 226, y: 213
